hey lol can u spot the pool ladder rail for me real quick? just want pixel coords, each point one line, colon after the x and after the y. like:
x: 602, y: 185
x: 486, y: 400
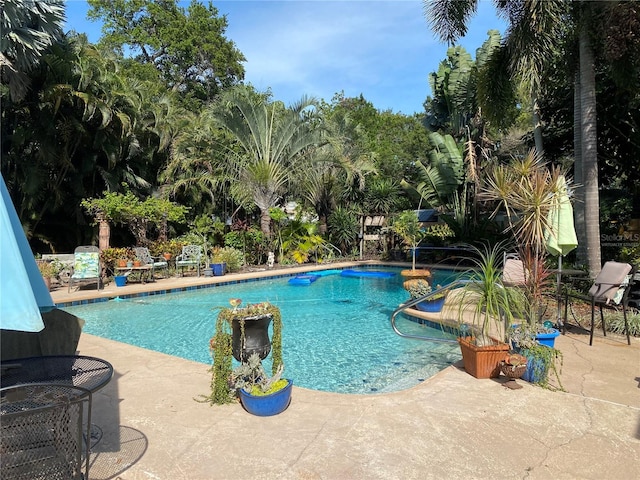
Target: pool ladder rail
x: 414, y: 301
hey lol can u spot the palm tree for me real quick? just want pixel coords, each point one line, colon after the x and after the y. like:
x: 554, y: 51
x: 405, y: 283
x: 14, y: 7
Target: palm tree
x: 532, y: 36
x: 77, y: 137
x: 270, y: 141
x: 27, y: 29
x: 340, y: 164
x: 585, y: 124
x: 439, y: 181
x: 194, y: 167
x: 535, y: 33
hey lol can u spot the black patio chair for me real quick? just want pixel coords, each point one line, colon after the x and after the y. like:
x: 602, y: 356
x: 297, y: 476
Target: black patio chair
x: 610, y: 289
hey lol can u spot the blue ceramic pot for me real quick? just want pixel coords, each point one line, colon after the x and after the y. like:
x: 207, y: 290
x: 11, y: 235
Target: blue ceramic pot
x: 219, y: 269
x: 267, y: 405
x: 120, y: 280
x: 431, y: 305
x: 536, y: 370
x: 548, y: 339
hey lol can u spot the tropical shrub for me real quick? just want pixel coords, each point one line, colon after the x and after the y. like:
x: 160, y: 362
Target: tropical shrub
x: 229, y: 255
x: 343, y: 229
x: 301, y: 242
x: 251, y: 242
x: 159, y: 247
x: 50, y: 269
x: 615, y: 322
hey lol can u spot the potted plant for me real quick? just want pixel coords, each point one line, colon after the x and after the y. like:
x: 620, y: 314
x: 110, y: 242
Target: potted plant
x: 241, y: 332
x: 485, y: 299
x: 526, y: 191
x: 259, y: 393
x: 513, y: 367
x: 116, y: 257
x: 49, y: 270
x: 418, y: 288
x: 218, y: 264
x: 407, y: 227
x: 541, y: 359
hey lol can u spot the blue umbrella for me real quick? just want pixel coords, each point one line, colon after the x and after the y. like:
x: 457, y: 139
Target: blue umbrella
x: 23, y: 293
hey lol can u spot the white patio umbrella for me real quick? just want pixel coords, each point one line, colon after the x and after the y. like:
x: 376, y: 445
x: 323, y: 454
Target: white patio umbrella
x: 561, y: 235
x: 23, y: 293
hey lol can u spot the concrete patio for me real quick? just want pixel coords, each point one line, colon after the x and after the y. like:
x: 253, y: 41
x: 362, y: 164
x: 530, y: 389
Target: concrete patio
x: 452, y: 426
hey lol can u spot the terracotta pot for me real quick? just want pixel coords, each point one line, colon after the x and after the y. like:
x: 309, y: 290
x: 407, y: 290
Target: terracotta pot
x: 137, y: 263
x: 482, y: 362
x: 167, y: 256
x: 122, y: 263
x: 417, y: 273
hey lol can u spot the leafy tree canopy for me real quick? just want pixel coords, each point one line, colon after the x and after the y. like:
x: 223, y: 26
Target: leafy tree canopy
x: 128, y: 210
x: 186, y: 46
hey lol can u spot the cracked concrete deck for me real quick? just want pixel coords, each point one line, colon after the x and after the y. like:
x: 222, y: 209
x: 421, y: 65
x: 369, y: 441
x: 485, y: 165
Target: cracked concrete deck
x: 451, y: 426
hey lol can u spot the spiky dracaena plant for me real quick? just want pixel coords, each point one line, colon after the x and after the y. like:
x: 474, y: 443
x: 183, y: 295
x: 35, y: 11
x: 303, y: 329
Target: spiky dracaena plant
x: 485, y: 296
x: 525, y: 191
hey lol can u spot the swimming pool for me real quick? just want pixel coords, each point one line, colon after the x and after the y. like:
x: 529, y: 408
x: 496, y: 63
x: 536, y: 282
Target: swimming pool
x: 336, y: 331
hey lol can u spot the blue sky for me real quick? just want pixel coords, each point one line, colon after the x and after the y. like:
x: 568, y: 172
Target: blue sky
x: 383, y: 50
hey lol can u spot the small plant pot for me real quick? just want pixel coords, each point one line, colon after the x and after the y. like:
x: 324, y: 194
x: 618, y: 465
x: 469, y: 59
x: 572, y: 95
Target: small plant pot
x: 267, y: 405
x: 513, y: 372
x: 120, y: 280
x: 431, y: 305
x: 547, y: 339
x: 137, y: 263
x: 122, y: 263
x: 219, y: 269
x: 129, y: 264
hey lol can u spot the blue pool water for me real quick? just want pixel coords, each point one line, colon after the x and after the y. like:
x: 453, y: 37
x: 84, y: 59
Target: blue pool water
x: 336, y: 331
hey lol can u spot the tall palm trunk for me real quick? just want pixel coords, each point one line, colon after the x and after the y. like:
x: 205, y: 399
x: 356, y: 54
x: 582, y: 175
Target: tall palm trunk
x: 265, y: 222
x: 589, y: 153
x: 578, y: 177
x: 537, y: 125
